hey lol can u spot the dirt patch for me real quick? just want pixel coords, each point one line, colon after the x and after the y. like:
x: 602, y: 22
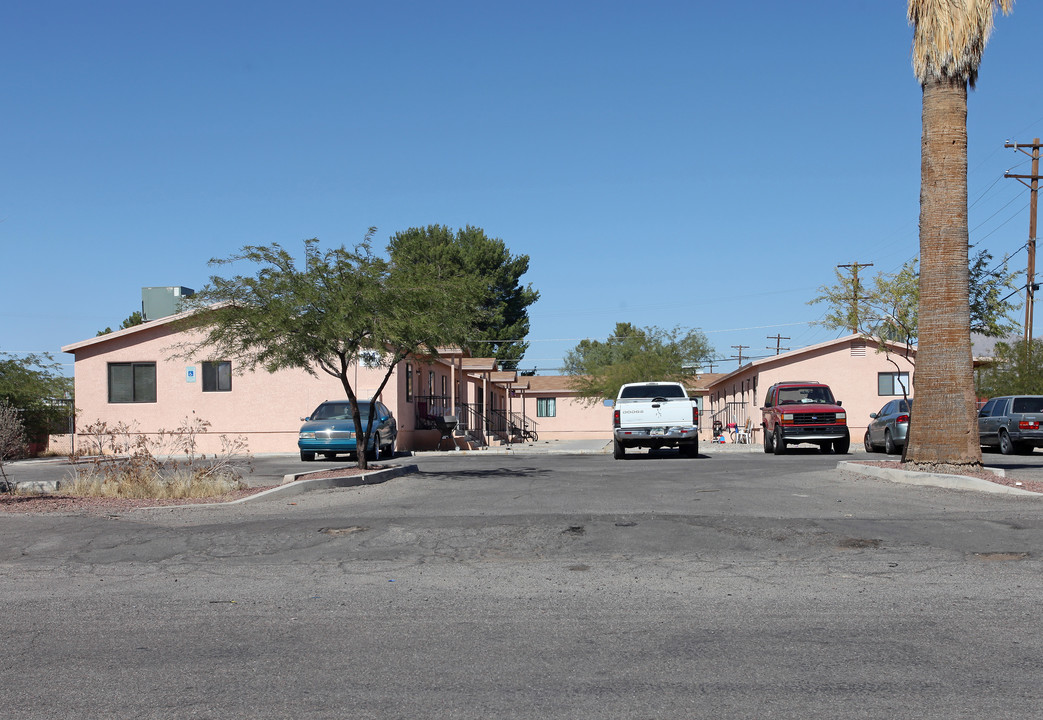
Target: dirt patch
x: 342, y: 472
x: 68, y: 504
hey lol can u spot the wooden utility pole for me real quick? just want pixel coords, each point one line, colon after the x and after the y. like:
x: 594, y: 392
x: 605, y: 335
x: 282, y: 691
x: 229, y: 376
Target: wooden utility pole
x: 740, y: 348
x: 778, y: 343
x: 1033, y: 186
x: 855, y: 267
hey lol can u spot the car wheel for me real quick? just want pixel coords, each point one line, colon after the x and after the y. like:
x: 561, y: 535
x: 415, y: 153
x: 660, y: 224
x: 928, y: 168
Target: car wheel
x: 889, y: 444
x: 840, y: 447
x: 689, y: 450
x: 768, y: 445
x: 374, y: 452
x: 1006, y: 446
x: 307, y: 456
x: 778, y: 445
x: 618, y: 451
x: 389, y: 452
x: 868, y: 443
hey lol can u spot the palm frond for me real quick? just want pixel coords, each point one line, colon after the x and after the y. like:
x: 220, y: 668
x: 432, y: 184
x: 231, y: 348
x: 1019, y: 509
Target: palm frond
x: 949, y: 37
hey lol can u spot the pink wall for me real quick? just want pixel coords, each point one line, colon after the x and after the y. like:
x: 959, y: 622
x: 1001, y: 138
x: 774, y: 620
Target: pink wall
x: 573, y: 419
x: 265, y: 407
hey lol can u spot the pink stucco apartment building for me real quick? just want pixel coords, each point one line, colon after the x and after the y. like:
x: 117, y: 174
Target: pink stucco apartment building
x: 136, y: 377
x: 862, y: 375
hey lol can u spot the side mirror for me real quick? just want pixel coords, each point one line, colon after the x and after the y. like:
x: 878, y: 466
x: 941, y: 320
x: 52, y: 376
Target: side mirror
x: 872, y: 415
x: 609, y: 402
x: 305, y: 419
x: 840, y: 404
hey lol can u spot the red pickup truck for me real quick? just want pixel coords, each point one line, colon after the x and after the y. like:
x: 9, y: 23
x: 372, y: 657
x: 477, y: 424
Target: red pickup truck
x: 803, y: 412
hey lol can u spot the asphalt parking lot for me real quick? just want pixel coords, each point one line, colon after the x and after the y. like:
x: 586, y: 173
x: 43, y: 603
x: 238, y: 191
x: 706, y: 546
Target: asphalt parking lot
x: 272, y: 469
x: 536, y: 584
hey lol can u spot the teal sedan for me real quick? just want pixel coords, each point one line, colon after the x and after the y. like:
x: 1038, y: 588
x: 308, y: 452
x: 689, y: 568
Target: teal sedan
x: 330, y: 430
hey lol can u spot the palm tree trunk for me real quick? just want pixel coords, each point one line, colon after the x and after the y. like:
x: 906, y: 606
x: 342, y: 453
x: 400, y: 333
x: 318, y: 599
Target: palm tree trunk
x: 943, y: 429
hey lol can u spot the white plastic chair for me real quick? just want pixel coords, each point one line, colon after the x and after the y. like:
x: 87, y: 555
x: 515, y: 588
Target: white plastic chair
x: 742, y: 435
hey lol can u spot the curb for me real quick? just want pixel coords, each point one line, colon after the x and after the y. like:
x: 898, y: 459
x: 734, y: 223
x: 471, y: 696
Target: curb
x: 298, y: 484
x: 952, y: 482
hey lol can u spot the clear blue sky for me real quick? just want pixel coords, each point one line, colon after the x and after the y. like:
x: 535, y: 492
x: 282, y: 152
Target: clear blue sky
x: 662, y: 163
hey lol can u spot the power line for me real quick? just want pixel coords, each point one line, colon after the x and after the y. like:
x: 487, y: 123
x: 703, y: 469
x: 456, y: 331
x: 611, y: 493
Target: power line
x: 1033, y: 186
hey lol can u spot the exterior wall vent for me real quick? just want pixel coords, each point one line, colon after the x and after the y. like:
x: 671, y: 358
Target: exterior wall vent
x: 858, y: 349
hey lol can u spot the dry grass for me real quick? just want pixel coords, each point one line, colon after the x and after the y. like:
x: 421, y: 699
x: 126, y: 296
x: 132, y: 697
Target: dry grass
x: 128, y: 464
x: 130, y: 482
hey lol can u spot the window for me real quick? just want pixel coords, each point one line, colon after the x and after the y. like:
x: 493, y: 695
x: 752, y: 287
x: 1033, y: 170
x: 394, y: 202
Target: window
x: 1000, y: 408
x: 654, y: 391
x: 431, y: 383
x: 132, y: 382
x: 217, y: 376
x: 409, y: 382
x: 546, y: 407
x: 1027, y: 405
x: 445, y: 387
x: 891, y: 383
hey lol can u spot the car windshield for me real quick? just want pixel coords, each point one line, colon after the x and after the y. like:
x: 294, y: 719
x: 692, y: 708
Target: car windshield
x: 338, y: 411
x: 1028, y: 405
x: 810, y: 394
x: 652, y: 391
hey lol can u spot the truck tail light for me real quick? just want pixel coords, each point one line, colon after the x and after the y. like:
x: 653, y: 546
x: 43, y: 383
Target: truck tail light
x: 902, y: 419
x: 695, y: 416
x: 615, y: 419
x: 1028, y: 425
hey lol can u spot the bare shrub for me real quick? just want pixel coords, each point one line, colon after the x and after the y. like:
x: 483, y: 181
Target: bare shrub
x: 129, y: 464
x: 12, y: 440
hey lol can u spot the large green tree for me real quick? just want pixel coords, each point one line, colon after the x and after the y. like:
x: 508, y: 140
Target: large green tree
x: 34, y: 385
x: 949, y: 38
x: 598, y: 368
x: 887, y: 305
x: 504, y: 321
x: 343, y: 304
x: 1015, y: 370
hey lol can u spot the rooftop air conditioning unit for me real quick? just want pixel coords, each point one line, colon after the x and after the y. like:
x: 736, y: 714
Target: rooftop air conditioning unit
x: 160, y: 302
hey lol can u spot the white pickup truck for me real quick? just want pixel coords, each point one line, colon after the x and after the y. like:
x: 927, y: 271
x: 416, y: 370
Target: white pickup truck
x: 654, y: 415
